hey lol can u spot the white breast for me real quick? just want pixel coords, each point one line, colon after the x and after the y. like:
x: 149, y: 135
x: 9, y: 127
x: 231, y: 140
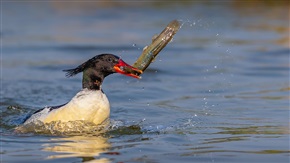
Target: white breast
x: 88, y: 105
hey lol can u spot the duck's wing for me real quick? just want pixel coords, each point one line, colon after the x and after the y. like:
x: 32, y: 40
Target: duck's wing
x: 38, y: 113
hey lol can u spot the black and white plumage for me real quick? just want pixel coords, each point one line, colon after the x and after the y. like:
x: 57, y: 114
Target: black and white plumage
x: 90, y: 104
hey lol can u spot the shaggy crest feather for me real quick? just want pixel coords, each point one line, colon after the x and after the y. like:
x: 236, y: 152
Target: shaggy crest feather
x: 82, y: 67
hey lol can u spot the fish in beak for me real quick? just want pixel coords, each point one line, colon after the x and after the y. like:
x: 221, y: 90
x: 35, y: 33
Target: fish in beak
x: 125, y: 69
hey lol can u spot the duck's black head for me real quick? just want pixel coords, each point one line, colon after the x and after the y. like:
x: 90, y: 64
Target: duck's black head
x: 97, y: 68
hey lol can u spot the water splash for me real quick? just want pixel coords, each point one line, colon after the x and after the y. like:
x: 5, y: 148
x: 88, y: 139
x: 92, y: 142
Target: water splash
x: 109, y: 128
x: 83, y: 128
x: 187, y: 22
x: 62, y: 128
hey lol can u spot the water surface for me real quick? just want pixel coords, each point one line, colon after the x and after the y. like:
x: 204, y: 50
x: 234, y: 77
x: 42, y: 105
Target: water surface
x: 219, y: 92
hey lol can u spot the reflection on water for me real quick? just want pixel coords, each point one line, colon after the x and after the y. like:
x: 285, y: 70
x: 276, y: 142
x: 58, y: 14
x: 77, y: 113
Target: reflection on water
x: 84, y: 147
x: 256, y: 130
x: 278, y: 94
x: 225, y: 139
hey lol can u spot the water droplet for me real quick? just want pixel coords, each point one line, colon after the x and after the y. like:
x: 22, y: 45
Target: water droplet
x: 204, y: 98
x: 217, y: 34
x: 209, y: 90
x: 195, y: 115
x: 148, y: 104
x: 215, y: 66
x: 134, y: 45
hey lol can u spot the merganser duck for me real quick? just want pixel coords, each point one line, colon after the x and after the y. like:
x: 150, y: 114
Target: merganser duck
x: 90, y: 104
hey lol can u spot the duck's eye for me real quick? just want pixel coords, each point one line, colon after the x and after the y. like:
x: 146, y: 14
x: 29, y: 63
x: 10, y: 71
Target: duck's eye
x: 110, y: 60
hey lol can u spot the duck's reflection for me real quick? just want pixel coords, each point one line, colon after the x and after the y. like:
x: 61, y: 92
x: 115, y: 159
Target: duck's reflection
x: 87, y: 148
